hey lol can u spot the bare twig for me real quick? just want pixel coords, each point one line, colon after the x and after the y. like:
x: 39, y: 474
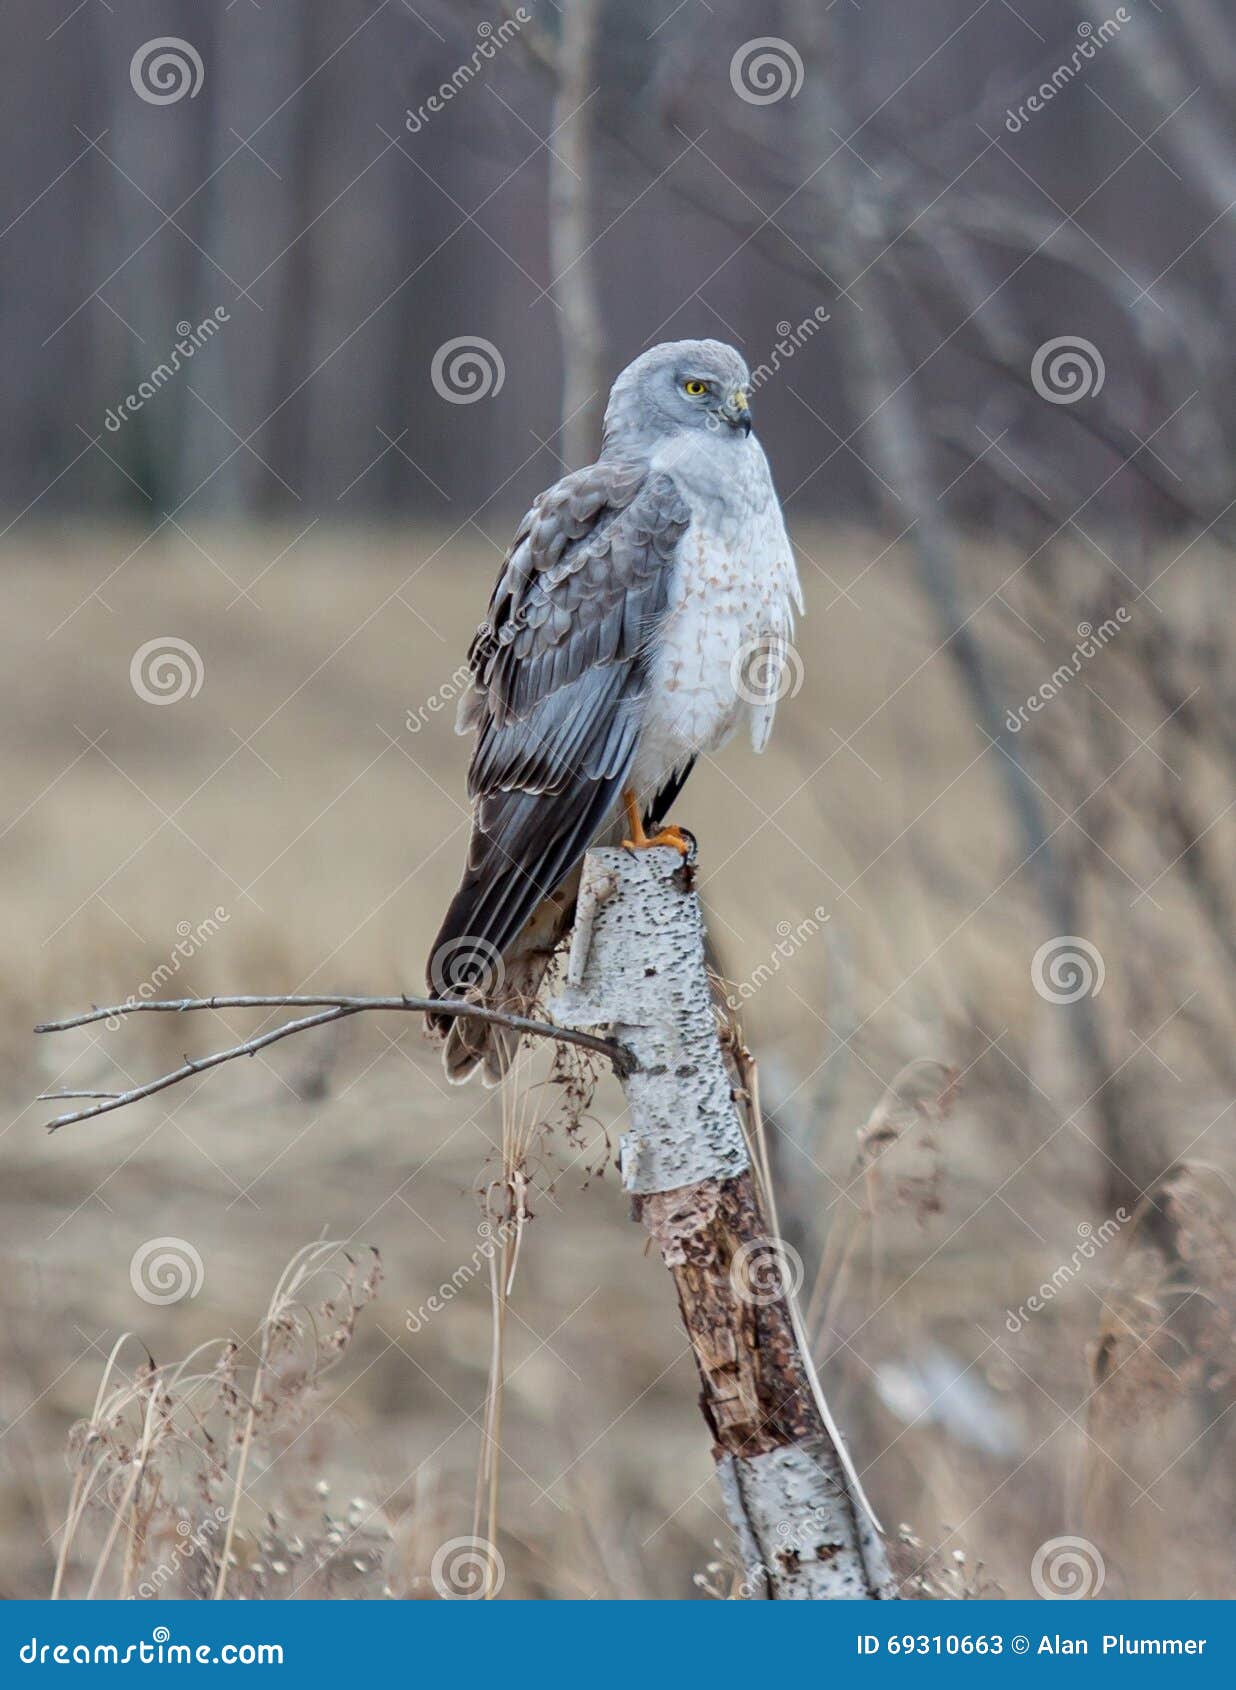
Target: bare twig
x: 329, y: 1008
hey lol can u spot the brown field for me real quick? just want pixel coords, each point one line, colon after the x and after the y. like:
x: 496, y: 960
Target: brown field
x: 290, y: 795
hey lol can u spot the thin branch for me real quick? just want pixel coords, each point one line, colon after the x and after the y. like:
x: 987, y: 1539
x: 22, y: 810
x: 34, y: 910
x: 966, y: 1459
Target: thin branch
x: 330, y: 1008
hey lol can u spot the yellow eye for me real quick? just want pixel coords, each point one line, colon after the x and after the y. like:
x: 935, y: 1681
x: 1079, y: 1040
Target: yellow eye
x: 695, y: 388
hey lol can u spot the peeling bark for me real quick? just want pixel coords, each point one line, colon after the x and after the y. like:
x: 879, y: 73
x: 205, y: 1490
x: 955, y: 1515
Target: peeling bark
x: 756, y: 1395
x: 637, y: 967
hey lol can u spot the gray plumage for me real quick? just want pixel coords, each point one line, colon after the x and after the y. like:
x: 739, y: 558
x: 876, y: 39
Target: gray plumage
x: 628, y: 584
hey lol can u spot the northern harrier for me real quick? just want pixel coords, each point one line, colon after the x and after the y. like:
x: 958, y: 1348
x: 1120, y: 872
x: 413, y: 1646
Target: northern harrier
x: 641, y: 617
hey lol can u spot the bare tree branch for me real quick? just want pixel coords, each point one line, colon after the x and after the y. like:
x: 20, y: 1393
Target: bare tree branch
x: 329, y: 1008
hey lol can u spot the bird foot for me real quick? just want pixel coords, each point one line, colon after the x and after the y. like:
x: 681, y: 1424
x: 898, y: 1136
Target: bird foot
x: 667, y: 836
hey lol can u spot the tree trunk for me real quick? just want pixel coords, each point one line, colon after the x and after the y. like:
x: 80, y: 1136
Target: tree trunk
x: 804, y: 1528
x: 570, y: 218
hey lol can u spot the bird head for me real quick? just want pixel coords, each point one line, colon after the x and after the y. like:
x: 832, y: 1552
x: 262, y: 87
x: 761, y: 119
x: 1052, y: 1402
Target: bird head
x: 678, y: 386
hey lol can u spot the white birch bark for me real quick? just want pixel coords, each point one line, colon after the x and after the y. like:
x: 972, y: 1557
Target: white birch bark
x: 636, y: 968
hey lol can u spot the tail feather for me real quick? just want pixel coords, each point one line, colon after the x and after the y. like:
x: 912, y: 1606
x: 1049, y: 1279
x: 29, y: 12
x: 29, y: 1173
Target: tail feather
x: 478, y: 955
x: 512, y: 985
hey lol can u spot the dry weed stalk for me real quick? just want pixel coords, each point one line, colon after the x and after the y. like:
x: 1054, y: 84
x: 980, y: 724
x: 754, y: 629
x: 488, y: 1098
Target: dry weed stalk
x: 1165, y: 1341
x: 898, y: 1165
x: 1200, y: 1203
x: 166, y: 1450
x: 531, y: 1111
x: 928, y: 1575
x: 1168, y: 1323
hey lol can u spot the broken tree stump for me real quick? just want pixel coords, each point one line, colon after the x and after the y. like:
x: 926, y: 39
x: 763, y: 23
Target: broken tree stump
x: 637, y: 968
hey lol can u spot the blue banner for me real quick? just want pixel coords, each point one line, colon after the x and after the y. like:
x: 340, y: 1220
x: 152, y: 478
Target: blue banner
x: 600, y: 1644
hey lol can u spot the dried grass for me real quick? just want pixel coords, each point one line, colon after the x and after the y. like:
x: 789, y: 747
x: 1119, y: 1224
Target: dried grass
x: 166, y: 1467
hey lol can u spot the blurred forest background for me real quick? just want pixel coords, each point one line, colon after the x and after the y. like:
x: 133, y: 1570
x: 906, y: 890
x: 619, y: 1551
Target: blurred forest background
x: 976, y: 903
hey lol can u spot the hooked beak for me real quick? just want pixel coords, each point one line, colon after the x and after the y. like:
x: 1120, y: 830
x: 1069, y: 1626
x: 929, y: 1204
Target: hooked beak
x: 736, y: 410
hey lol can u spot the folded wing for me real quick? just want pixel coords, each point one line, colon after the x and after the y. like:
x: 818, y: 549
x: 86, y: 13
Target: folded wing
x: 559, y: 682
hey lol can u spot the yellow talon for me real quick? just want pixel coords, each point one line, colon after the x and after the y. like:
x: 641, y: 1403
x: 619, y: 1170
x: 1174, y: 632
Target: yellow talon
x: 641, y: 841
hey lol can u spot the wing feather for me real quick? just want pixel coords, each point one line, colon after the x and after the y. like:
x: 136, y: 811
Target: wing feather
x: 559, y: 678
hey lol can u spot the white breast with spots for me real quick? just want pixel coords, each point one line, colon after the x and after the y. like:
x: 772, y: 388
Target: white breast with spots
x: 732, y: 600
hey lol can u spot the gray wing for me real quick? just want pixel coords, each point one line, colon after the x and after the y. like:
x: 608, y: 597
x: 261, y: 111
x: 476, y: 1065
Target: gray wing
x: 560, y: 675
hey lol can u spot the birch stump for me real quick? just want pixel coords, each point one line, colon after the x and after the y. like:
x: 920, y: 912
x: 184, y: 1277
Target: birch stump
x: 636, y: 967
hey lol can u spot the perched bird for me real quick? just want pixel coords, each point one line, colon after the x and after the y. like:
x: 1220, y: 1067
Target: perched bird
x: 642, y: 616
